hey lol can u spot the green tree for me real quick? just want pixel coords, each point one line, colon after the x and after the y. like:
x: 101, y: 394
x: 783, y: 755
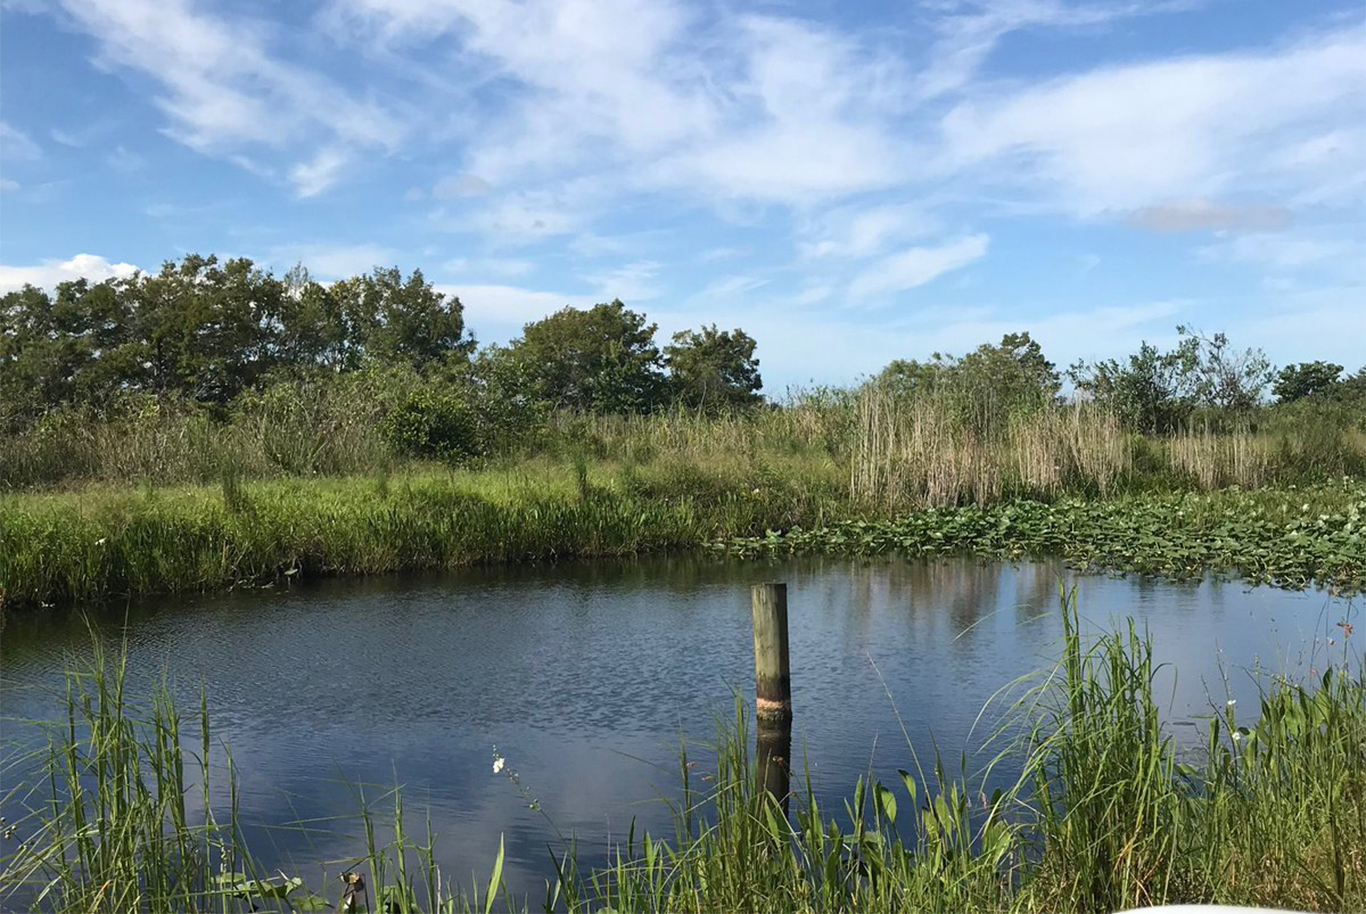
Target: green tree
x: 314, y: 332
x: 1305, y: 379
x: 75, y: 346
x: 1155, y: 392
x: 1230, y: 379
x: 983, y: 388
x: 433, y: 422
x: 207, y: 331
x: 1009, y: 375
x: 601, y: 359
x: 712, y: 369
x: 383, y: 317
x: 32, y: 363
x: 503, y: 390
x: 101, y: 321
x: 1150, y: 391
x: 904, y: 378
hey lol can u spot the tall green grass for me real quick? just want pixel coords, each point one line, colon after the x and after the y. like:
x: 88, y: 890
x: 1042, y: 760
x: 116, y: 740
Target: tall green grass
x: 1118, y: 816
x: 104, y: 543
x: 1108, y: 813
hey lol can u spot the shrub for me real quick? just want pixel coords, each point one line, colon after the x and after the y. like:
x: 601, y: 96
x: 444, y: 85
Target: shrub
x: 431, y: 423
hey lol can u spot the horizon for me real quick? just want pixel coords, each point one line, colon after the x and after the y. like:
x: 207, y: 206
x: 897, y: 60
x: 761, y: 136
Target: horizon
x: 848, y: 187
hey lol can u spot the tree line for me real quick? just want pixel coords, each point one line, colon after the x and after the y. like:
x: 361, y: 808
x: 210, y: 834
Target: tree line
x: 207, y: 332
x: 1153, y: 391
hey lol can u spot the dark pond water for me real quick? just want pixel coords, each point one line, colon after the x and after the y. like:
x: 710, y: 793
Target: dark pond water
x: 585, y: 676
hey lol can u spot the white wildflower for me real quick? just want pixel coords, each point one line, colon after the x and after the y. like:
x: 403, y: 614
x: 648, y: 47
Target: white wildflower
x: 1231, y: 702
x: 498, y: 764
x: 101, y: 541
x: 1236, y: 736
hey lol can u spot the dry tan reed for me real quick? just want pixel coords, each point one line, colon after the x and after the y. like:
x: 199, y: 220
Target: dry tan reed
x: 1217, y: 460
x: 1055, y: 448
x: 916, y: 453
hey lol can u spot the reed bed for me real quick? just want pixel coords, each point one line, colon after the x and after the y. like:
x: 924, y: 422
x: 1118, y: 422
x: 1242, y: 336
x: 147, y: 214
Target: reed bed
x: 918, y: 454
x: 892, y: 451
x: 1107, y: 813
x: 1218, y: 460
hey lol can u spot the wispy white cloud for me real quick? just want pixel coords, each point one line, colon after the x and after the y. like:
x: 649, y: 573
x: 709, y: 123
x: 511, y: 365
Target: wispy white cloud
x: 630, y: 282
x: 915, y: 267
x: 650, y: 96
x: 854, y: 231
x: 752, y: 106
x: 591, y: 245
x: 812, y: 295
x: 318, y: 174
x: 1126, y: 137
x: 712, y: 255
x: 461, y: 185
x: 223, y: 88
x: 505, y: 267
x: 526, y: 216
x: 1295, y: 330
x: 15, y: 144
x: 730, y: 287
x: 163, y: 209
x: 1292, y: 252
x: 338, y: 261
x: 967, y: 32
x: 497, y: 312
x: 123, y: 159
x: 806, y: 119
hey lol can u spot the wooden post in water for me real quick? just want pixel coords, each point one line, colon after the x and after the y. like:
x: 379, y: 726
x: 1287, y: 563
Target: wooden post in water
x: 772, y: 688
x: 772, y: 681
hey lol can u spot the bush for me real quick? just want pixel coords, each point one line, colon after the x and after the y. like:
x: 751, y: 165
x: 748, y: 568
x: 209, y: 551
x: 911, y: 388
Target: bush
x: 430, y: 423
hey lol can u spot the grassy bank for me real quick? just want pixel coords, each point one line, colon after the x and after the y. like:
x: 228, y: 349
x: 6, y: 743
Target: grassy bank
x: 1107, y: 814
x: 103, y: 543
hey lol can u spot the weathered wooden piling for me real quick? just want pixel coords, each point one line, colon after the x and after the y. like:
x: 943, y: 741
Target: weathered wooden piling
x: 772, y: 679
x: 773, y: 689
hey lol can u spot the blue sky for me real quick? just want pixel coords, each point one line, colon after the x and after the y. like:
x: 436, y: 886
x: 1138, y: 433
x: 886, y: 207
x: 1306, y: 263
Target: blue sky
x: 850, y: 183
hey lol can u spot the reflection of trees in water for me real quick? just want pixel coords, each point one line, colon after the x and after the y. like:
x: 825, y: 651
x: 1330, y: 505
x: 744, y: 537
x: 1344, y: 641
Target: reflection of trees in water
x: 1149, y: 586
x: 1037, y: 586
x: 959, y: 592
x: 965, y: 588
